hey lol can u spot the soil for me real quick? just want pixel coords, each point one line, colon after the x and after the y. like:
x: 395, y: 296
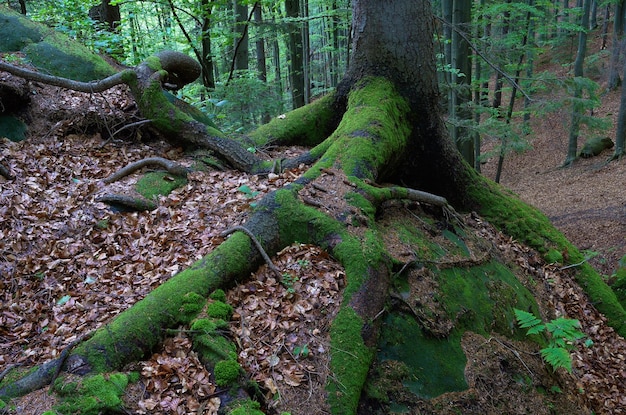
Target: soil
x: 282, y: 326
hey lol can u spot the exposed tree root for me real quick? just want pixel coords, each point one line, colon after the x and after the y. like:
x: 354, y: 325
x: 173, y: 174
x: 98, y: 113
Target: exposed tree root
x: 5, y: 172
x: 171, y: 166
x: 131, y: 203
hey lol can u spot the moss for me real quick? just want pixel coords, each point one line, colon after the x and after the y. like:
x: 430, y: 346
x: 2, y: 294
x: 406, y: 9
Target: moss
x: 553, y: 256
x: 218, y: 295
x: 93, y: 395
x: 246, y: 407
x: 226, y: 372
x: 16, y: 32
x: 529, y: 226
x: 204, y: 326
x: 153, y: 184
x: 212, y: 347
x: 191, y: 306
x: 350, y: 361
x: 306, y: 126
x: 219, y: 310
x: 373, y: 129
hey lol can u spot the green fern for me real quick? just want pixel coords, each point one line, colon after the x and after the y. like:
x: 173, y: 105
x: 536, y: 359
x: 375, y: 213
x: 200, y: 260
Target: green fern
x: 562, y: 333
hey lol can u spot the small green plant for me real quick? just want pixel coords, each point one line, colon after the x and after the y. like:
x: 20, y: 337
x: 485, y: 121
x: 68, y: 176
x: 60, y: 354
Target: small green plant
x: 250, y: 194
x: 304, y: 263
x: 561, y: 332
x: 288, y: 281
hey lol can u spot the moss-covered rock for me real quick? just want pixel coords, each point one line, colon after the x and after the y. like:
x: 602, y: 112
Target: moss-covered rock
x: 48, y: 50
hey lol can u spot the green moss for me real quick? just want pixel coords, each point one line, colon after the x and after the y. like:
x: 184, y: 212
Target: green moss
x: 478, y: 299
x: 306, y: 126
x: 153, y: 184
x: 529, y: 226
x: 350, y: 361
x: 373, y: 129
x: 246, y: 407
x: 553, y: 256
x: 16, y: 31
x: 138, y: 329
x: 226, y: 372
x: 219, y: 310
x: 436, y: 365
x: 192, y: 305
x: 93, y: 395
x: 189, y: 109
x: 204, y: 326
x: 218, y: 295
x: 212, y: 347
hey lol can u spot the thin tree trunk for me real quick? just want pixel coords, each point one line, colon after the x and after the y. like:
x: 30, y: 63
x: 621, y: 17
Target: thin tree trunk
x: 461, y: 62
x: 574, y: 131
x: 296, y: 66
x: 206, y: 61
x: 241, y: 35
x: 616, y: 49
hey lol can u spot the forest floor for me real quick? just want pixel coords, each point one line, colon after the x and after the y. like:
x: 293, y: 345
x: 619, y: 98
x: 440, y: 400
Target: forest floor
x: 68, y: 264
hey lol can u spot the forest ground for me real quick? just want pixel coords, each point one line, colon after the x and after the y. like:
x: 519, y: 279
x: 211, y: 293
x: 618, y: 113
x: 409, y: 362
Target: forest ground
x: 67, y: 264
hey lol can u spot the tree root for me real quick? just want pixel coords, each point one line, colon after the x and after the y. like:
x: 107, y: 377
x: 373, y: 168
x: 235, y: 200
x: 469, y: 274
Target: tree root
x: 132, y: 203
x: 169, y: 165
x: 258, y: 245
x: 5, y: 172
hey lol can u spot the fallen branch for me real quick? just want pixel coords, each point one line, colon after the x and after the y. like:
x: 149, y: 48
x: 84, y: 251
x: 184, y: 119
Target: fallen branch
x: 171, y: 166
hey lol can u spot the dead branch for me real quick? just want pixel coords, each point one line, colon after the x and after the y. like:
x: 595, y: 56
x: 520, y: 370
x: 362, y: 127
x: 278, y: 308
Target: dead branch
x: 93, y: 86
x: 171, y: 166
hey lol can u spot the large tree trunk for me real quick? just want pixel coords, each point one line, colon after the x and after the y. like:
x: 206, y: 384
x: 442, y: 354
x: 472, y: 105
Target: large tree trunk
x: 383, y: 124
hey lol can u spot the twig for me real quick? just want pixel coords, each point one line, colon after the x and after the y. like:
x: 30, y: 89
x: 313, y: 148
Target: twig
x: 65, y: 354
x: 258, y: 245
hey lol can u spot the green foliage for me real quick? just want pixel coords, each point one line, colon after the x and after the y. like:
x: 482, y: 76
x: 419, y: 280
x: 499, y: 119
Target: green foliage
x: 239, y: 105
x: 562, y: 333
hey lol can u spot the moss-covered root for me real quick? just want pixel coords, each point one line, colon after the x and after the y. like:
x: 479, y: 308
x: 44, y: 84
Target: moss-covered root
x: 93, y: 395
x: 137, y: 330
x: 531, y: 227
x: 354, y: 331
x: 308, y: 126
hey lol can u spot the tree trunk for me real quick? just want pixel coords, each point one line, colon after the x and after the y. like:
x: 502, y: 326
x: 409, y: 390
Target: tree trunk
x: 206, y: 61
x: 295, y: 46
x: 572, y: 147
x: 241, y: 35
x: 616, y: 46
